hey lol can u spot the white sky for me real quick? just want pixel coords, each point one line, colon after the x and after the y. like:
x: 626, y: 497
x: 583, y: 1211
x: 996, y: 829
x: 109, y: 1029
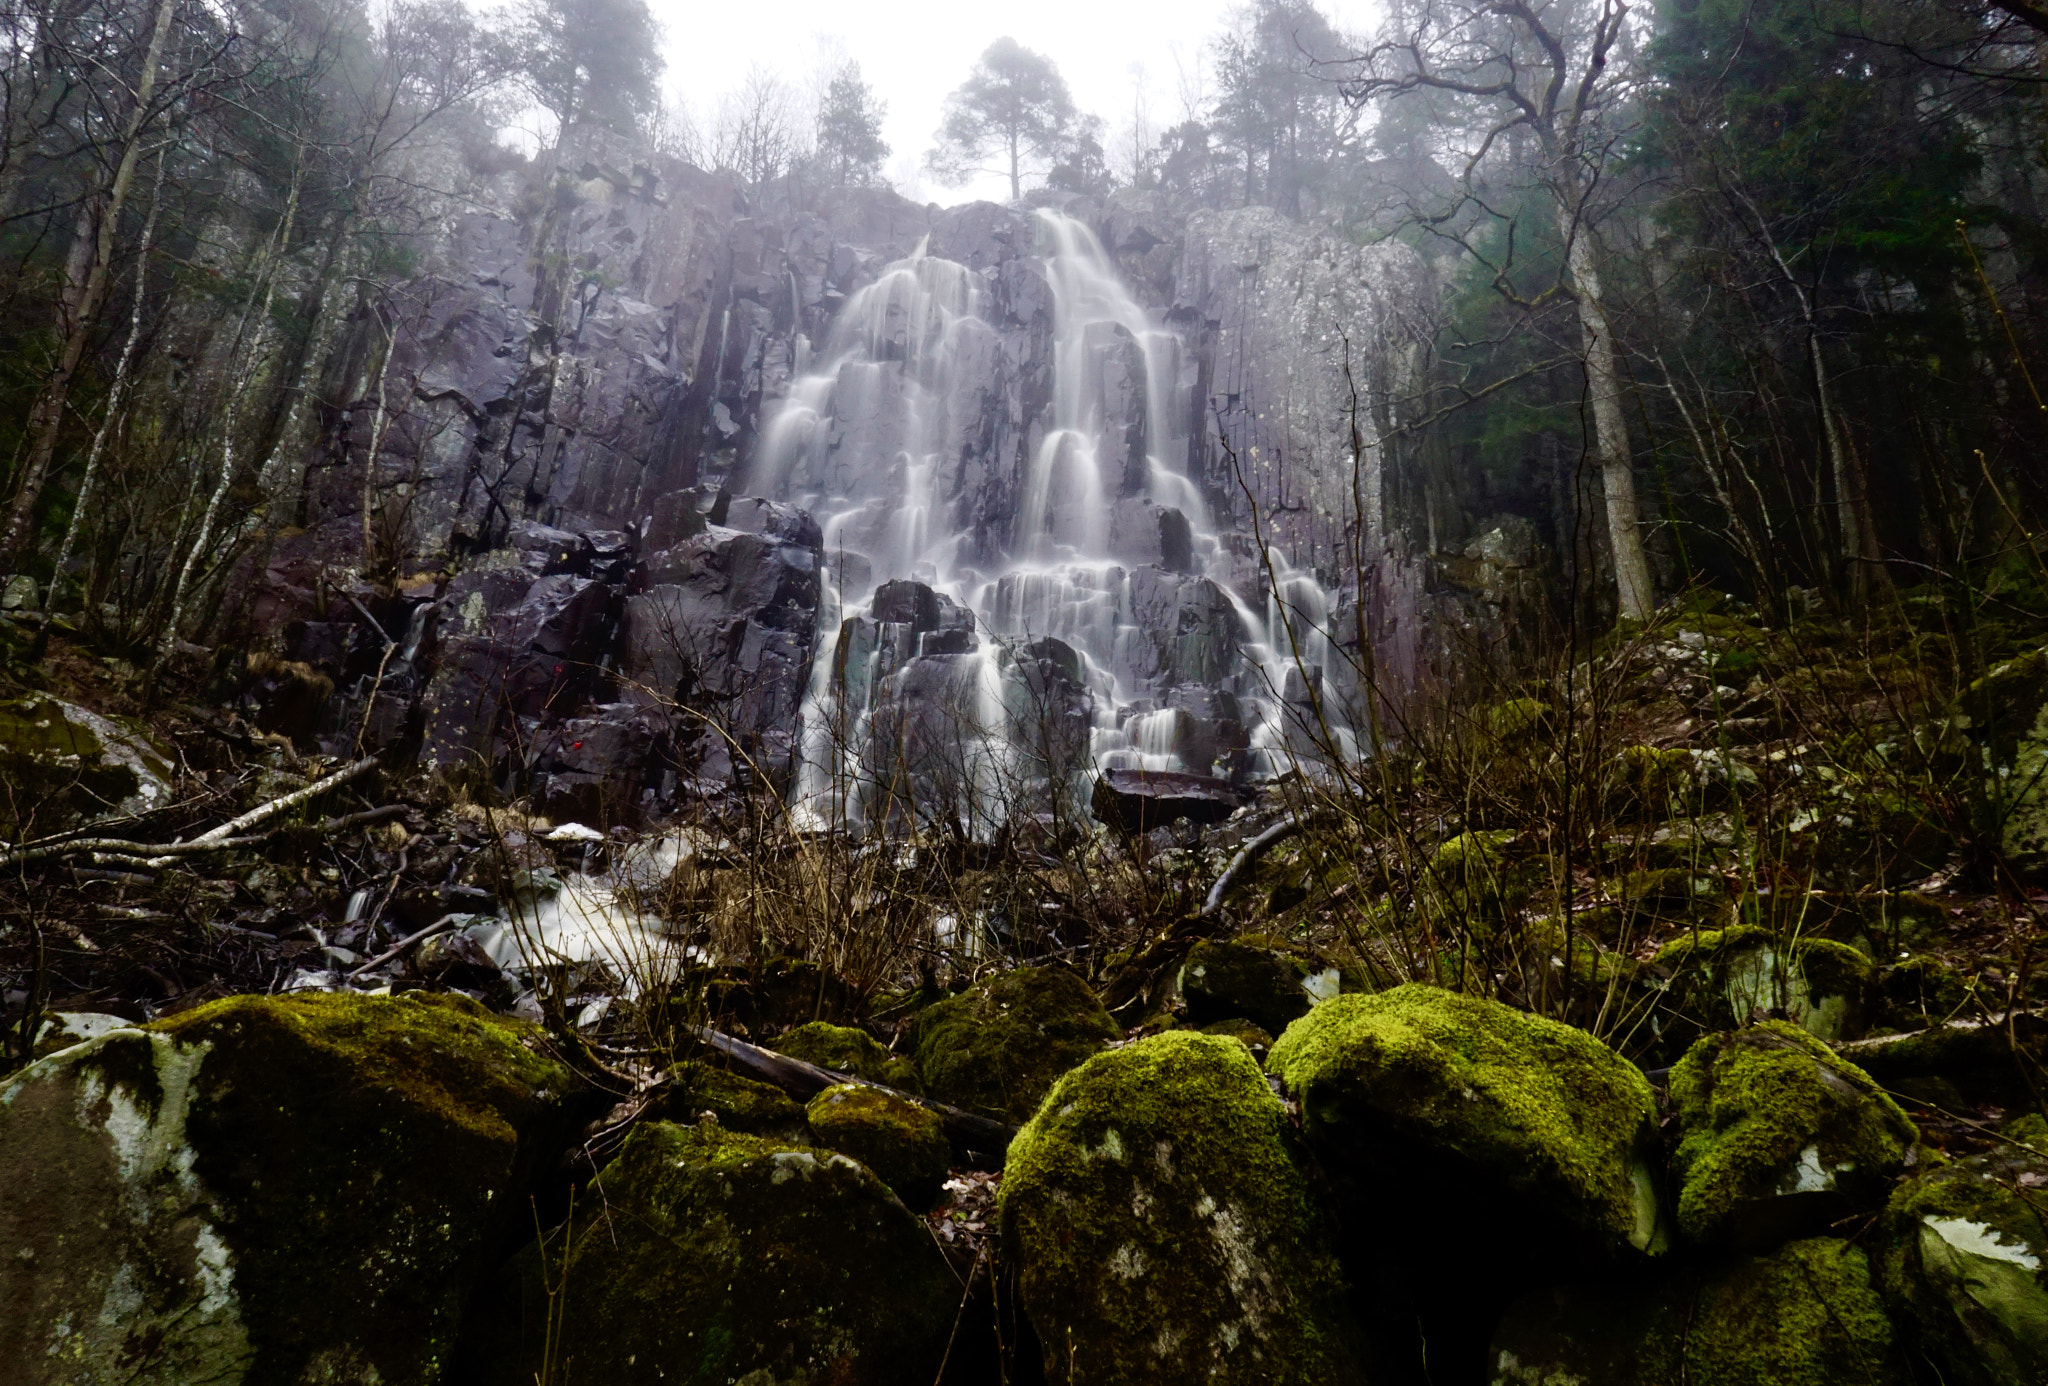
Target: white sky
x: 913, y: 52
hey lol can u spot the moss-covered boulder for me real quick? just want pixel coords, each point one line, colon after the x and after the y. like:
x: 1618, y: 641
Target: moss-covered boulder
x: 1524, y: 1106
x: 2005, y: 714
x: 1241, y: 981
x: 735, y: 1101
x: 710, y: 1256
x: 1163, y: 1233
x: 269, y: 1189
x: 1965, y: 1246
x: 998, y: 1047
x: 64, y: 764
x: 1805, y: 1315
x: 844, y: 1049
x: 1721, y: 979
x: 1778, y: 1136
x: 1245, y: 1033
x: 903, y: 1143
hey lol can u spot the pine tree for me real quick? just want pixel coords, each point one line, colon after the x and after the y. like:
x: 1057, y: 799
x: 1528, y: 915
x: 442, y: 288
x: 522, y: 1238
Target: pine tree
x: 850, y: 143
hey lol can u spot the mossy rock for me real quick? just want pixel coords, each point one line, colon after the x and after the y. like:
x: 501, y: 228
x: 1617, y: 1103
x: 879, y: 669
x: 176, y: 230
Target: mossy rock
x: 1778, y: 1136
x: 1531, y: 1107
x: 1984, y: 1063
x: 1671, y: 892
x: 270, y: 1189
x: 998, y: 1047
x: 1721, y: 979
x: 1270, y: 988
x: 1163, y: 1233
x: 737, y: 1102
x: 710, y: 1256
x: 1515, y: 720
x: 1245, y: 1033
x: 1805, y: 1315
x: 64, y: 764
x: 903, y: 1143
x: 2006, y: 714
x: 844, y: 1049
x: 1964, y: 1251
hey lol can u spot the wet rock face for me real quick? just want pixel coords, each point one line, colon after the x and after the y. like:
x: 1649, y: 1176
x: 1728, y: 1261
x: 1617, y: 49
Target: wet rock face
x: 234, y: 1193
x: 1779, y: 1136
x: 714, y: 1256
x: 1162, y: 1231
x: 1137, y: 801
x: 1965, y: 1261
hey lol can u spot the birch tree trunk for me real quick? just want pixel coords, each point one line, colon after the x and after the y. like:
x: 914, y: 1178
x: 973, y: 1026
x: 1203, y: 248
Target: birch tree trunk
x: 1610, y: 429
x: 87, y: 275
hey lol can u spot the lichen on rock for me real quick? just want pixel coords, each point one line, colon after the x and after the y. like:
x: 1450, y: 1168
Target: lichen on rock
x: 1720, y: 979
x: 241, y: 1191
x: 998, y: 1047
x: 710, y: 1256
x: 1533, y: 1107
x: 903, y: 1143
x: 844, y: 1049
x: 1163, y: 1232
x: 1779, y: 1135
x: 1965, y: 1260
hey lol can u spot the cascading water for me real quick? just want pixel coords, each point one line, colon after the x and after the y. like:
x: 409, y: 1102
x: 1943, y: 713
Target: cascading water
x: 973, y: 679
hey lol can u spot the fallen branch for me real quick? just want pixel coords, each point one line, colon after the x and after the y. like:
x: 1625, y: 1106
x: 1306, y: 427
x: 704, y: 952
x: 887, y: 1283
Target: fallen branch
x: 439, y: 926
x: 981, y: 1140
x: 164, y: 853
x: 265, y: 812
x: 1247, y: 857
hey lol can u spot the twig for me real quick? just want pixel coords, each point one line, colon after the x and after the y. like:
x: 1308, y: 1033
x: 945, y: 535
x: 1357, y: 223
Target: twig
x: 290, y: 801
x: 441, y: 925
x: 1246, y: 857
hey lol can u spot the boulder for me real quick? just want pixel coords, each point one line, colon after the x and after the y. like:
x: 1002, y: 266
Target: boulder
x: 711, y: 1256
x: 64, y: 765
x: 1721, y: 979
x: 903, y: 1143
x: 844, y: 1049
x: 1805, y: 1315
x: 2006, y: 714
x: 998, y: 1047
x: 274, y: 1189
x: 1137, y: 801
x: 1545, y: 1119
x: 742, y: 1104
x: 1163, y: 1233
x: 1778, y: 1137
x: 1222, y: 981
x: 1964, y: 1247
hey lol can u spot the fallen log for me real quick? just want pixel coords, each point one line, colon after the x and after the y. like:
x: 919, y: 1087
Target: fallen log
x: 980, y: 1141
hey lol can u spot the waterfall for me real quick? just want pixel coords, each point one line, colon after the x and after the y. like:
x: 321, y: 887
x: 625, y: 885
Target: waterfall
x: 1096, y: 629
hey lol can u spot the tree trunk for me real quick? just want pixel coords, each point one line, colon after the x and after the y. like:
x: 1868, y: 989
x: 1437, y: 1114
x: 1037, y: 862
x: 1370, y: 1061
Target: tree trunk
x: 86, y: 278
x: 1610, y: 430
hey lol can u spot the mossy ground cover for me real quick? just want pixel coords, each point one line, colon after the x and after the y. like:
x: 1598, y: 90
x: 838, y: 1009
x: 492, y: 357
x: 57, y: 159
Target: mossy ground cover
x: 844, y: 1049
x: 998, y: 1047
x: 1164, y: 1232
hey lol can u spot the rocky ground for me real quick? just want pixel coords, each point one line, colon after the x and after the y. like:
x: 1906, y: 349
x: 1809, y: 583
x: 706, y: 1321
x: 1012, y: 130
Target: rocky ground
x: 1670, y: 1021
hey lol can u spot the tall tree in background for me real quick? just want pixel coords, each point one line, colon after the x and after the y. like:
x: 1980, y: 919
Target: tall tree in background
x: 1278, y: 107
x: 850, y: 143
x: 1543, y: 83
x: 594, y: 60
x: 1012, y: 108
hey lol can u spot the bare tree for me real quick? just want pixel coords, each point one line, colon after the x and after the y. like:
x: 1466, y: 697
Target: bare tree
x: 1508, y: 78
x: 759, y: 130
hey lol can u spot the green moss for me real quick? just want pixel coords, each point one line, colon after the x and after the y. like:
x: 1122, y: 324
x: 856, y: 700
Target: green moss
x: 1964, y: 1251
x: 1723, y: 978
x: 1536, y: 1107
x: 368, y: 1156
x: 1473, y: 882
x: 1243, y: 1031
x: 1222, y: 981
x: 1514, y: 719
x: 903, y: 1143
x: 710, y: 1256
x: 62, y: 763
x: 738, y: 1103
x: 1805, y: 1315
x: 844, y: 1049
x: 1778, y: 1135
x: 1162, y: 1233
x: 997, y: 1048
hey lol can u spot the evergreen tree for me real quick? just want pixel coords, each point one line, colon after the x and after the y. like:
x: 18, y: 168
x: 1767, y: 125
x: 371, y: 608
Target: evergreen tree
x: 1012, y: 108
x: 850, y: 143
x: 591, y: 60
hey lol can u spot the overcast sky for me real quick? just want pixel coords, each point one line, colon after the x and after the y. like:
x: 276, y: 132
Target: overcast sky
x: 913, y: 52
